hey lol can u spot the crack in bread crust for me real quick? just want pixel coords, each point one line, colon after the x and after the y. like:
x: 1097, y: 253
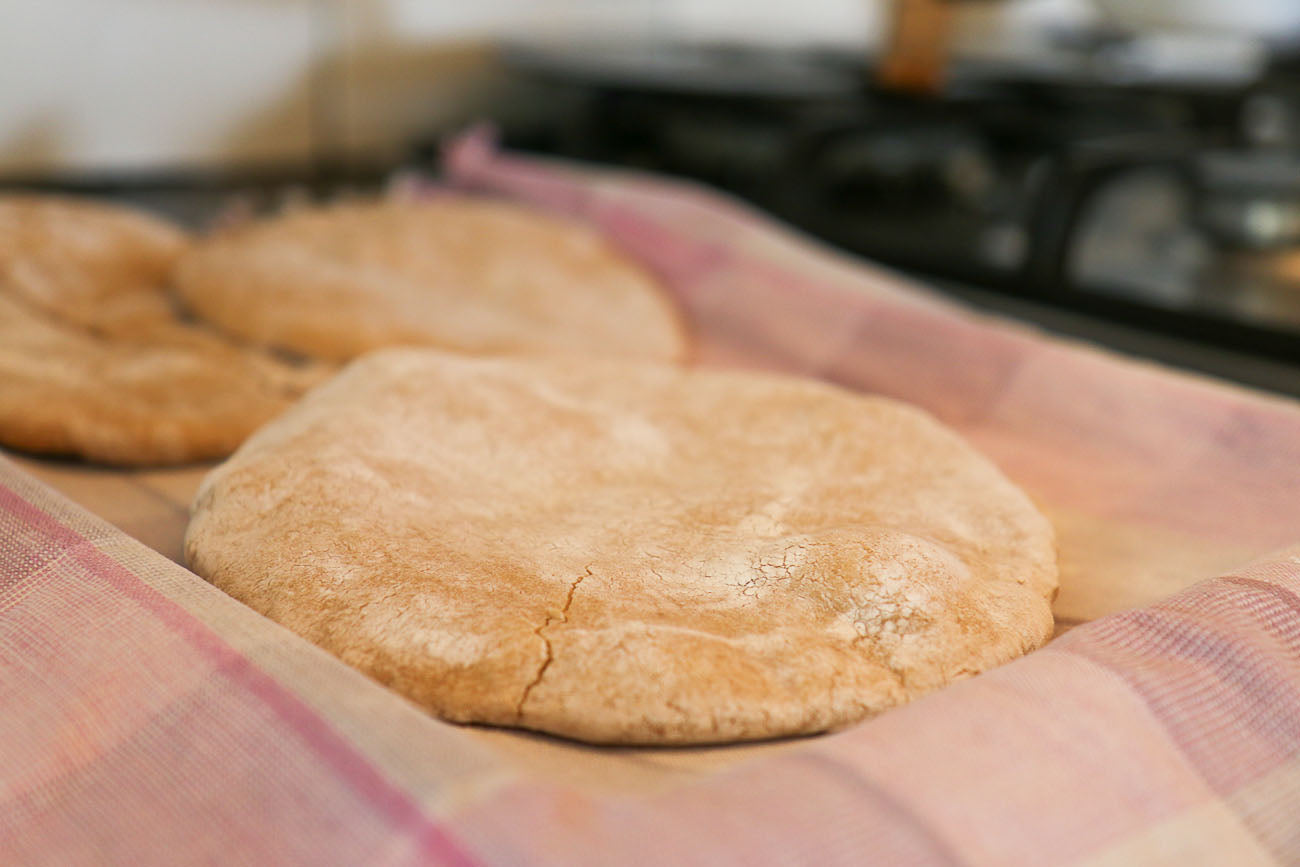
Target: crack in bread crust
x: 550, y: 651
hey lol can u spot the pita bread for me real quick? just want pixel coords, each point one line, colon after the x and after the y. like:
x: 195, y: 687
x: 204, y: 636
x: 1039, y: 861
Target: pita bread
x: 89, y: 264
x: 627, y: 553
x: 94, y: 360
x: 458, y: 273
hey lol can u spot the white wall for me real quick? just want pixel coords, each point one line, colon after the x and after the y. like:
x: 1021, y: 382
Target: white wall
x: 130, y: 83
x: 823, y: 22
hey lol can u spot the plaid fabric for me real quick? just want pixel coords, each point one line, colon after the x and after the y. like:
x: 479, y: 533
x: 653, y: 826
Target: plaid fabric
x: 147, y: 718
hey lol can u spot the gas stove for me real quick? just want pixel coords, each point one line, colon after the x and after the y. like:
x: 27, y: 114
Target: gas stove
x: 1162, y: 203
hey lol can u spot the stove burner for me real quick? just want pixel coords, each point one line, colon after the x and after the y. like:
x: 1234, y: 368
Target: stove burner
x: 1168, y: 204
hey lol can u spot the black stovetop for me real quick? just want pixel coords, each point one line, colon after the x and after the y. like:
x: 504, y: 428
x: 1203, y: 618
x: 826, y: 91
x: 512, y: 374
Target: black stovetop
x: 1164, y: 207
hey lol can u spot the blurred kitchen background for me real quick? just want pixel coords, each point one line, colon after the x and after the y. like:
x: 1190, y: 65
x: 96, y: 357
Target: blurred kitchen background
x: 1125, y: 171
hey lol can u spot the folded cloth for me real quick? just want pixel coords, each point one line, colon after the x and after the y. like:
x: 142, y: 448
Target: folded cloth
x: 147, y: 718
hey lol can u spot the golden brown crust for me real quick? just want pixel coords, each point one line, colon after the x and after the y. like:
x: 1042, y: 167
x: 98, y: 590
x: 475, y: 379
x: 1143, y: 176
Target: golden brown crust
x: 458, y: 273
x: 624, y: 552
x: 94, y: 361
x: 87, y: 263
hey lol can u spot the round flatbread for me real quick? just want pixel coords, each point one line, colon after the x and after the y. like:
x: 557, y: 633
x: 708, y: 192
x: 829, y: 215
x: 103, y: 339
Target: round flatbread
x: 173, y: 398
x: 94, y: 359
x: 627, y: 553
x: 96, y: 265
x: 459, y: 273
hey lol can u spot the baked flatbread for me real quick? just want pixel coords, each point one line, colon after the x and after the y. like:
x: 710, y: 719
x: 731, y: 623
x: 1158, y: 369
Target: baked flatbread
x: 94, y: 359
x: 625, y: 552
x: 459, y: 273
x: 86, y: 263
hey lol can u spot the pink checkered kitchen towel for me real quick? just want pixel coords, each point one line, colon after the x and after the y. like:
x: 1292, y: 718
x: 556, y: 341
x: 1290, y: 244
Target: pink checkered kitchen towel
x: 147, y: 718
